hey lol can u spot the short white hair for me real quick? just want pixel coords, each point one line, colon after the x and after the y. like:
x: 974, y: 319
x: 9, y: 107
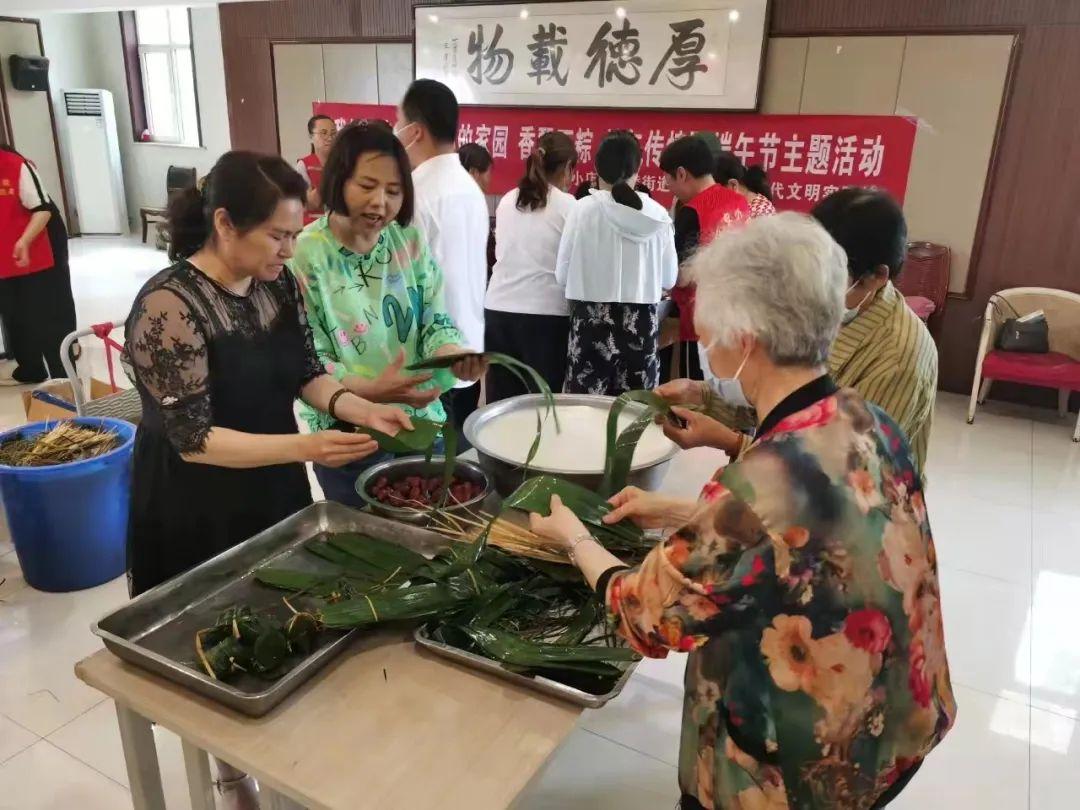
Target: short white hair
x: 781, y: 279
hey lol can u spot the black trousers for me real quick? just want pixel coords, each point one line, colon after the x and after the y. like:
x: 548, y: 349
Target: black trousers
x: 38, y: 310
x: 459, y: 404
x: 38, y: 313
x: 536, y: 340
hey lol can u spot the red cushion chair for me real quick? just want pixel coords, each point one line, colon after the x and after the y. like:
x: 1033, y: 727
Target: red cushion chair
x: 1059, y: 368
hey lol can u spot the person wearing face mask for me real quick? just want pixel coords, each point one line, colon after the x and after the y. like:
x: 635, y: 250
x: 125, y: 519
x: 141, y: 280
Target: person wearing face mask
x: 883, y: 350
x: 616, y: 257
x: 526, y: 309
x: 706, y: 208
x: 803, y: 582
x: 321, y: 129
x: 374, y: 294
x: 452, y: 217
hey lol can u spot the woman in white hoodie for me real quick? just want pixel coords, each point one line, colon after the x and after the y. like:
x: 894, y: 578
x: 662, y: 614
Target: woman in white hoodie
x: 616, y: 258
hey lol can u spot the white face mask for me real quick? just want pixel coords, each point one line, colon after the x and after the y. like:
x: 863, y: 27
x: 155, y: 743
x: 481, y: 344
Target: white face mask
x: 853, y: 313
x: 397, y: 134
x: 730, y: 389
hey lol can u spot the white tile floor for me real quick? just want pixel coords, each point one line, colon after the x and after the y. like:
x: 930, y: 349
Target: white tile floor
x: 1003, y: 502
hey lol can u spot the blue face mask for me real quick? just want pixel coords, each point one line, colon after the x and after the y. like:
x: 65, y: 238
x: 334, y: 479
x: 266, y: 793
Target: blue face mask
x: 729, y: 389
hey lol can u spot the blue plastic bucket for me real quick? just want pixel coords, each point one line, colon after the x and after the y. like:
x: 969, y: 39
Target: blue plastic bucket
x: 68, y: 522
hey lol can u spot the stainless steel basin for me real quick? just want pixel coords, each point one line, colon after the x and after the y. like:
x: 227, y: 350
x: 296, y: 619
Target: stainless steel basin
x: 508, y: 474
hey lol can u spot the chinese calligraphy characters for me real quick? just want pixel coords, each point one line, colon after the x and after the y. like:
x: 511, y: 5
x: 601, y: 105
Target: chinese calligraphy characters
x: 492, y: 62
x: 684, y: 54
x: 616, y: 58
x: 547, y: 54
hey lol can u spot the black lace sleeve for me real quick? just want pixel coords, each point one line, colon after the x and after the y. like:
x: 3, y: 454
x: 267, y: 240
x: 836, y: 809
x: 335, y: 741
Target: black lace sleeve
x: 167, y: 352
x: 313, y: 367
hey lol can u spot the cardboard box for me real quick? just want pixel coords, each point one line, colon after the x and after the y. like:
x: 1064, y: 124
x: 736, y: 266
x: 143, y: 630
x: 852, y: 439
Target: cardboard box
x: 55, y: 400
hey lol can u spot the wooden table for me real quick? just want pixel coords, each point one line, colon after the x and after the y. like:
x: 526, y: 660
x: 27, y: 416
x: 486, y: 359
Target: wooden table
x: 385, y: 726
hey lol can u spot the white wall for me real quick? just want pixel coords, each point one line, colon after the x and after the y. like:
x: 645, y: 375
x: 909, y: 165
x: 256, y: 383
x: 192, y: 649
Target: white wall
x: 86, y: 51
x: 31, y: 125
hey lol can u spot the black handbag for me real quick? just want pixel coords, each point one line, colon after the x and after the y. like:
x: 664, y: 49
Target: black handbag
x: 1030, y: 335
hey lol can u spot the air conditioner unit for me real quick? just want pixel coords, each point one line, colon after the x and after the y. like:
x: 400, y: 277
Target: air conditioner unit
x: 93, y: 161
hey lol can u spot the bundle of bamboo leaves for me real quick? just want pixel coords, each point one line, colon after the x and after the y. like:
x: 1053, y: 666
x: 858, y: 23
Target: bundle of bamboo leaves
x: 532, y: 616
x: 525, y: 609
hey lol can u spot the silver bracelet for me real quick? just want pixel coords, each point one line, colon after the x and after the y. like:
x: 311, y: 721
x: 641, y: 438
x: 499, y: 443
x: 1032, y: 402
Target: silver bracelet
x: 574, y: 543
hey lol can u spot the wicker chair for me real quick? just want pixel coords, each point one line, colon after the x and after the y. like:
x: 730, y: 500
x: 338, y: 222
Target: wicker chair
x: 924, y: 280
x: 1059, y: 368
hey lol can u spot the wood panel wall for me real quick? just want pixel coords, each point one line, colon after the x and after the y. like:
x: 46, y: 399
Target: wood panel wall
x: 1030, y: 229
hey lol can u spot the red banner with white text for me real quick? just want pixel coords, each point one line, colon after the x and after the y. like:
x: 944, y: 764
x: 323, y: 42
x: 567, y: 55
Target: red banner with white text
x: 807, y: 157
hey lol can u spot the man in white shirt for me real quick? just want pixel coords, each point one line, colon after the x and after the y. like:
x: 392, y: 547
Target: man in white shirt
x: 452, y: 215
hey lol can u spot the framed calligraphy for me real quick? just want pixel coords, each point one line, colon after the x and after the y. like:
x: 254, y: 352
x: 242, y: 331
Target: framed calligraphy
x: 630, y: 53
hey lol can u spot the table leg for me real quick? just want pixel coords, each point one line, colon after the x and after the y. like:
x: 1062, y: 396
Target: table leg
x: 272, y: 800
x: 200, y: 783
x: 140, y: 756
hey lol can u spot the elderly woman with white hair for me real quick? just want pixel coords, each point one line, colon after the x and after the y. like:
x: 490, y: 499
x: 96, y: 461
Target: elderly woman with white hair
x: 803, y: 582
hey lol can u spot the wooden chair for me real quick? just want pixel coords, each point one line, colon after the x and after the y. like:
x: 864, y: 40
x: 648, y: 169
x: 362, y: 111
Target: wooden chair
x: 177, y: 178
x: 1059, y: 368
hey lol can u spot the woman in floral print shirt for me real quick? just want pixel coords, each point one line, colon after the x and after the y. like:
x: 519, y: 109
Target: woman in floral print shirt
x: 804, y: 582
x: 373, y: 294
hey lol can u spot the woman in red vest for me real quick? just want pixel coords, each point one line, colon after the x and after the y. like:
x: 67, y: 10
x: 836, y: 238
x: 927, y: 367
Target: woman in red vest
x: 322, y: 130
x: 35, y: 286
x: 706, y: 208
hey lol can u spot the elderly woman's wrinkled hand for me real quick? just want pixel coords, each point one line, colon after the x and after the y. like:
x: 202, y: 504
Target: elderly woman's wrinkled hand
x: 688, y: 393
x: 561, y: 526
x: 701, y: 431
x: 648, y: 510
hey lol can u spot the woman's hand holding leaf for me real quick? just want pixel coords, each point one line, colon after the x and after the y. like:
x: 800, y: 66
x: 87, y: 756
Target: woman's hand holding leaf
x: 687, y: 393
x: 649, y: 510
x: 701, y: 431
x: 395, y: 386
x: 386, y: 419
x: 561, y: 526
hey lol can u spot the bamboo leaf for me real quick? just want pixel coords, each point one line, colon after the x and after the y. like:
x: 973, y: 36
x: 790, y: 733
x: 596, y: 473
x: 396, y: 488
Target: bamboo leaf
x: 407, y: 442
x: 535, y: 494
x: 510, y: 649
x: 415, y: 602
x: 619, y: 452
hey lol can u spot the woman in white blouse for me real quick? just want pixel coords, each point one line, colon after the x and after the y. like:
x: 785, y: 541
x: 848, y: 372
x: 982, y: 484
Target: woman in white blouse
x: 526, y: 307
x: 616, y: 258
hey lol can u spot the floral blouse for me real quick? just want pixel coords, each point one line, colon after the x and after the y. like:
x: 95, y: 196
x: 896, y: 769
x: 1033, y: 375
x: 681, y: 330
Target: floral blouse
x: 364, y: 309
x: 805, y: 590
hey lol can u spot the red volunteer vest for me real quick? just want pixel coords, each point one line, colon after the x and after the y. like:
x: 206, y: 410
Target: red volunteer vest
x: 314, y: 170
x: 717, y: 207
x: 14, y: 218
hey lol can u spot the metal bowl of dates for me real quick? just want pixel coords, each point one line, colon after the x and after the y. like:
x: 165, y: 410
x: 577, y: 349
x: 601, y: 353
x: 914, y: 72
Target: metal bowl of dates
x: 400, y: 476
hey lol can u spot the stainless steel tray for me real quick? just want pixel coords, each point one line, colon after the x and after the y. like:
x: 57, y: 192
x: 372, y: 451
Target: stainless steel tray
x: 536, y: 683
x: 156, y: 630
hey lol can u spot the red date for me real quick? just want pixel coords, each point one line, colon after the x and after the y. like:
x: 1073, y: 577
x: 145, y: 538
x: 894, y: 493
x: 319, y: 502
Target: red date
x: 419, y: 492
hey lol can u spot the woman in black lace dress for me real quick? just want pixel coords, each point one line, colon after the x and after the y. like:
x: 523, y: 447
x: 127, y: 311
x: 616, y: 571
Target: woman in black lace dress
x: 220, y: 349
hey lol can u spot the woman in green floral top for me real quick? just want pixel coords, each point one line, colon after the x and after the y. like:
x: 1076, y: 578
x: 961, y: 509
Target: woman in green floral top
x: 373, y: 294
x: 803, y: 583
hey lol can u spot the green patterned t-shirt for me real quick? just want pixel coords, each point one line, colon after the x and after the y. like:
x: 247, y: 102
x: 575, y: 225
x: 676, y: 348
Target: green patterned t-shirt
x: 364, y: 308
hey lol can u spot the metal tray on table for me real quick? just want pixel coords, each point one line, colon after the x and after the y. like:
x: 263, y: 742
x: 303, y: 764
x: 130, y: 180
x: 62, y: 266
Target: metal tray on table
x: 156, y: 630
x: 537, y: 683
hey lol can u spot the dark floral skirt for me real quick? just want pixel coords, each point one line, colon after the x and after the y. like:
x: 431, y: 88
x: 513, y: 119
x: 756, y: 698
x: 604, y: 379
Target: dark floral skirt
x: 612, y: 348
